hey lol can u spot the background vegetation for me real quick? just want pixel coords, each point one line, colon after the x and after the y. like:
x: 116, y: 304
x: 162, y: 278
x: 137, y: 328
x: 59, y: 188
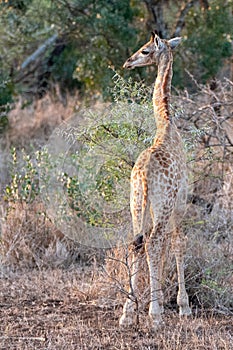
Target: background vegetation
x: 66, y: 105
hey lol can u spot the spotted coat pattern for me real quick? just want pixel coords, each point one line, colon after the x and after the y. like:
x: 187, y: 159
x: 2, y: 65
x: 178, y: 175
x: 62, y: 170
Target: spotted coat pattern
x: 158, y: 187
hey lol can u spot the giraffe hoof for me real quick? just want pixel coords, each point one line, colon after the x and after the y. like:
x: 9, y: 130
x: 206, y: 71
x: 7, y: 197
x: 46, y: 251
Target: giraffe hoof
x: 155, y: 322
x: 161, y: 309
x: 127, y: 320
x: 185, y: 311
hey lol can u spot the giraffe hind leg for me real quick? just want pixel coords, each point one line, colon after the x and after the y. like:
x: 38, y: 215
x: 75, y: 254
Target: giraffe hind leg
x: 139, y: 206
x: 130, y: 310
x: 178, y: 246
x: 153, y: 248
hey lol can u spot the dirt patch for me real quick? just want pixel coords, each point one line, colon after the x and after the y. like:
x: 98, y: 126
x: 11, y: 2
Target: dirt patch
x: 62, y: 309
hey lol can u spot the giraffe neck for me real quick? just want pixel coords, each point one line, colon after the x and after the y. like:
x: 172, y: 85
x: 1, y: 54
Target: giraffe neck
x: 161, y: 96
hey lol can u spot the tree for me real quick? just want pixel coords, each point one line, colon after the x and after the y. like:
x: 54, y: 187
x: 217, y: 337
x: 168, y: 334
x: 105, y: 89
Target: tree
x: 72, y: 43
x: 89, y: 37
x: 206, y: 26
x: 209, y: 34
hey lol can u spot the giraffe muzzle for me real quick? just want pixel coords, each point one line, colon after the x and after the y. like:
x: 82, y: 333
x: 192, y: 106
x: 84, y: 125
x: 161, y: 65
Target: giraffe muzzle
x: 128, y: 64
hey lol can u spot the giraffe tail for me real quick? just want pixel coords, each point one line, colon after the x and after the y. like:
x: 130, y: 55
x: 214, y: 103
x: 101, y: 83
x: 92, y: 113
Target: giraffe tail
x: 138, y: 242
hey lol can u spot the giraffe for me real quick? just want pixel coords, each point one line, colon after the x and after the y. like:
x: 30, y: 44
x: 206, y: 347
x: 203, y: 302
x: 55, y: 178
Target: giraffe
x: 158, y: 188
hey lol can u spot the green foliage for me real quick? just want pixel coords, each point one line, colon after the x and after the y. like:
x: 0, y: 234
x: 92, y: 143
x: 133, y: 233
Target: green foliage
x: 97, y: 175
x: 91, y: 37
x: 95, y: 36
x: 110, y: 23
x: 130, y: 91
x: 209, y: 37
x: 90, y: 179
x: 214, y: 291
x: 24, y: 185
x: 6, y: 99
x: 63, y: 69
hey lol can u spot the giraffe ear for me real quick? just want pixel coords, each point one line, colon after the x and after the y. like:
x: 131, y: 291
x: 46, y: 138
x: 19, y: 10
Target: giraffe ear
x: 174, y: 42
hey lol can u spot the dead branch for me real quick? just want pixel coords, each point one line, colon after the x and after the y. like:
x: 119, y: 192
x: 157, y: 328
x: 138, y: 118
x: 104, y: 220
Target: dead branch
x: 180, y: 22
x: 49, y: 42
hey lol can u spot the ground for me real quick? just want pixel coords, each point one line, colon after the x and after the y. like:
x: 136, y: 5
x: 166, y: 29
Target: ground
x: 65, y: 309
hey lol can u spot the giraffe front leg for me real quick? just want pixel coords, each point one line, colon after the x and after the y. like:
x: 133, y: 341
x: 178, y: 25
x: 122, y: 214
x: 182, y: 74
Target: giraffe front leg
x: 129, y: 315
x: 130, y: 309
x: 178, y: 246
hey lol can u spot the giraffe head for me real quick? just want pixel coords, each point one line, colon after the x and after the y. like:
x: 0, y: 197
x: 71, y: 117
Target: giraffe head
x: 150, y: 53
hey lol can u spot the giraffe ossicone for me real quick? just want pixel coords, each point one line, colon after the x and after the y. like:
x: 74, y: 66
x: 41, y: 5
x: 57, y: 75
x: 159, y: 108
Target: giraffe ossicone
x: 158, y: 188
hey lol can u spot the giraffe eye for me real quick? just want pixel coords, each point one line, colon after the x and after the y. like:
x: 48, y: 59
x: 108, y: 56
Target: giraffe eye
x: 145, y: 52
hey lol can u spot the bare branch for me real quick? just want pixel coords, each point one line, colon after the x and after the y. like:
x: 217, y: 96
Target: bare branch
x: 155, y: 9
x: 180, y: 23
x: 39, y: 51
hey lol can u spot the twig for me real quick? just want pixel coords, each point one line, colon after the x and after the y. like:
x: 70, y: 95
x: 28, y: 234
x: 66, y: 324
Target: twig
x: 23, y: 338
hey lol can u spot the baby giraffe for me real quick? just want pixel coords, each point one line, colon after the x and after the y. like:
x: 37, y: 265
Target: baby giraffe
x: 158, y: 187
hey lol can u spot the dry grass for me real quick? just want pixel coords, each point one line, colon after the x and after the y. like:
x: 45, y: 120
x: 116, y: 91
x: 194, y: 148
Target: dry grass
x: 29, y: 239
x: 35, y: 122
x: 79, y: 307
x: 62, y: 309
x: 48, y: 302
x: 208, y: 270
